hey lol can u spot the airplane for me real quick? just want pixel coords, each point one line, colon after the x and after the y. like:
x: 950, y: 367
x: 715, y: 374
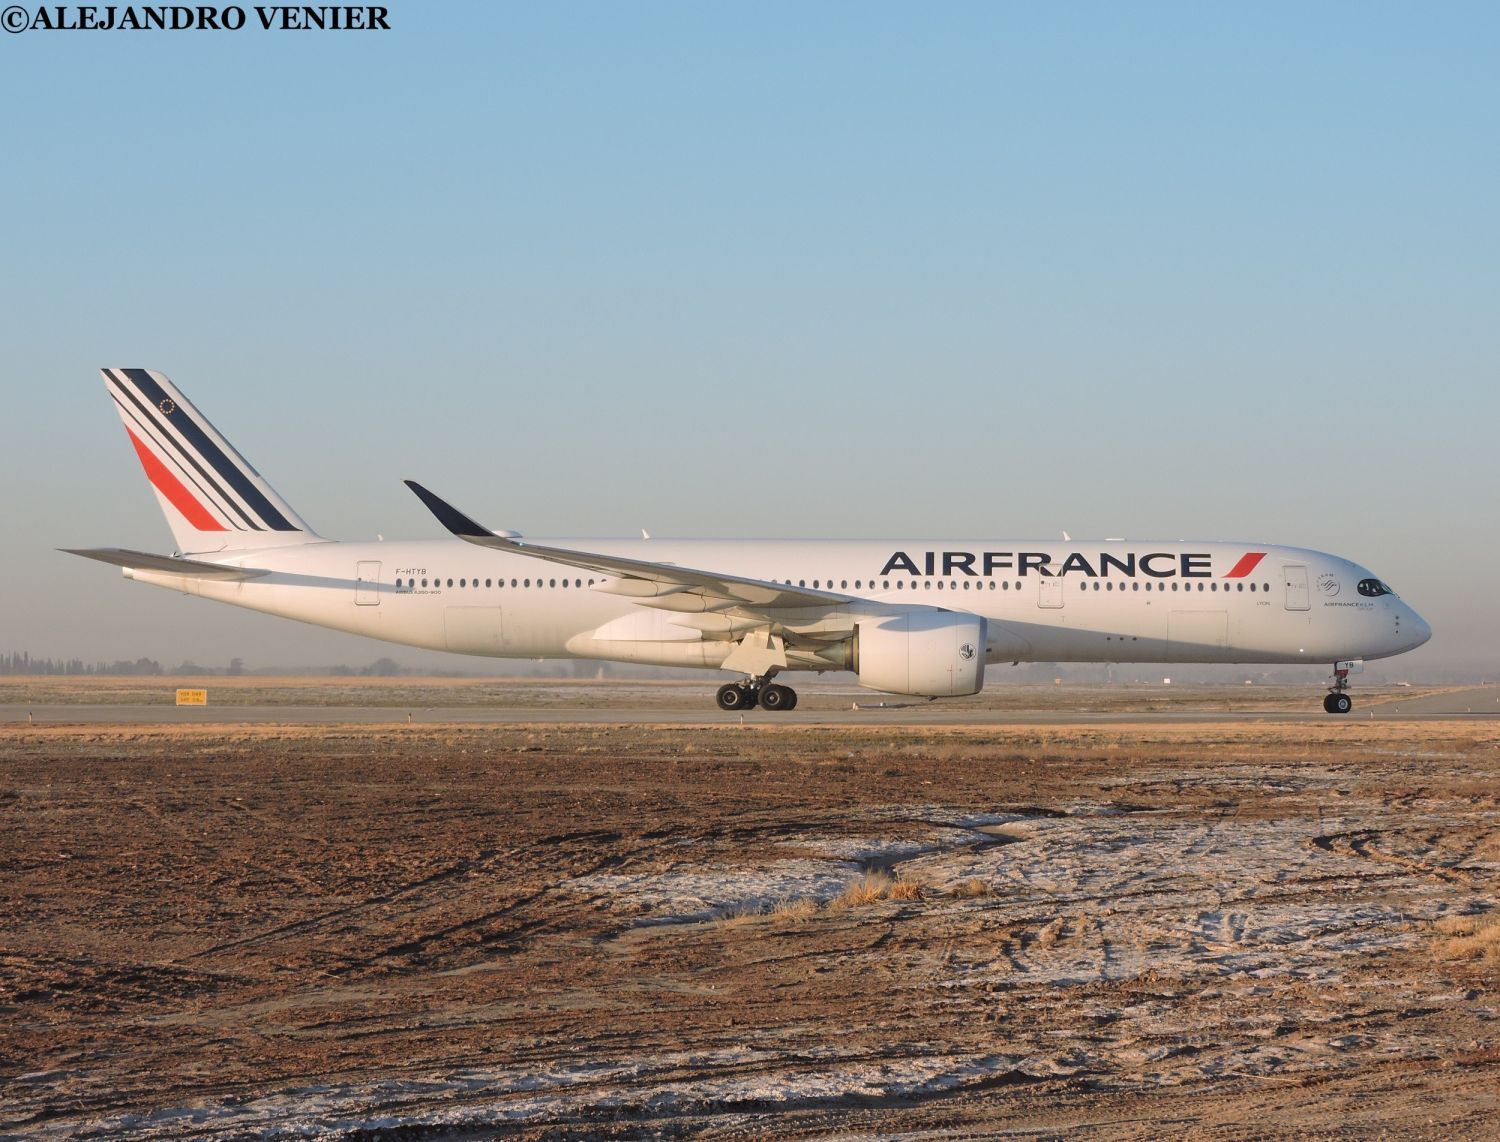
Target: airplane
x: 920, y: 618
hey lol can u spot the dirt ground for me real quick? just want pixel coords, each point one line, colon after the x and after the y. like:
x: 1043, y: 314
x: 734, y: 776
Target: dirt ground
x: 555, y: 931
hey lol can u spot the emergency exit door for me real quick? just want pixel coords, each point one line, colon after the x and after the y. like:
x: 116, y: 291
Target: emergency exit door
x: 367, y: 583
x: 1294, y: 575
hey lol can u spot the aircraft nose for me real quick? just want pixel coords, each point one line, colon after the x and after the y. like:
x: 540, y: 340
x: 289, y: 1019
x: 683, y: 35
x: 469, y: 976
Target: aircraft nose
x: 1414, y: 629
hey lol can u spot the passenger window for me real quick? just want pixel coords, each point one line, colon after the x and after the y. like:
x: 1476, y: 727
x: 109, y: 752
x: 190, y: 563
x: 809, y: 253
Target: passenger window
x: 526, y: 582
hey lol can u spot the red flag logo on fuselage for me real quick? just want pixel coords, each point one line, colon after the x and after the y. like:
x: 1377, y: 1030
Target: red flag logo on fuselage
x: 1248, y: 563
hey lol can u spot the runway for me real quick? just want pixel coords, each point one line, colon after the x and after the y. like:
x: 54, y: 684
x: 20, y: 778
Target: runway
x: 1480, y: 703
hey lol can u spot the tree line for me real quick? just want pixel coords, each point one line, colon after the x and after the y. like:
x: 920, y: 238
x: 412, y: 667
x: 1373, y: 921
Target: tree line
x: 20, y: 662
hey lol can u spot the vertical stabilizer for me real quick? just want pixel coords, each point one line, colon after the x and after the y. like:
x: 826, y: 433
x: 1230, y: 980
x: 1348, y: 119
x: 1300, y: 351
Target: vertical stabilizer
x: 212, y: 498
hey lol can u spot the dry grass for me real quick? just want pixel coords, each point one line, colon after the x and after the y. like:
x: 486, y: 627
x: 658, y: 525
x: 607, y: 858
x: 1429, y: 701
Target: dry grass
x: 867, y: 889
x: 739, y: 914
x: 971, y: 889
x: 875, y: 886
x: 1469, y: 938
x: 797, y: 910
x: 905, y: 889
x: 789, y: 908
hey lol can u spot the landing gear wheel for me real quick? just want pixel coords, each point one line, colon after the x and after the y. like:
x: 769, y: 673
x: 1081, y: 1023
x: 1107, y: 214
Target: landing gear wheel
x: 734, y: 696
x: 1338, y: 703
x: 1338, y: 700
x: 774, y: 697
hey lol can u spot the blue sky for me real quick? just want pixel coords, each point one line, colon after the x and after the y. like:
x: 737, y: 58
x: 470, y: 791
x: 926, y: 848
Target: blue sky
x: 981, y: 270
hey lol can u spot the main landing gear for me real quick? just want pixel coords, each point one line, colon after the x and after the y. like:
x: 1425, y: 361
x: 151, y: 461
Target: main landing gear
x: 1337, y: 700
x: 754, y: 692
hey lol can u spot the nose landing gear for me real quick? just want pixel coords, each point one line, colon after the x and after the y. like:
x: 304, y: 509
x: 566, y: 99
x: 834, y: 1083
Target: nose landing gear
x: 1337, y: 700
x: 754, y: 692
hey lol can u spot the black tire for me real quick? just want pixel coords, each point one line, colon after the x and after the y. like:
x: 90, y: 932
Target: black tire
x: 1338, y: 703
x: 791, y: 698
x: 732, y: 696
x: 773, y: 697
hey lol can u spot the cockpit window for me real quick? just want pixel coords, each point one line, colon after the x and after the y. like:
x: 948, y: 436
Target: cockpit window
x: 1374, y: 588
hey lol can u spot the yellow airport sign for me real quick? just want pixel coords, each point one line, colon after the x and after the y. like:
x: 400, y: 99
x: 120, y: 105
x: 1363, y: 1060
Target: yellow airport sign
x: 192, y: 697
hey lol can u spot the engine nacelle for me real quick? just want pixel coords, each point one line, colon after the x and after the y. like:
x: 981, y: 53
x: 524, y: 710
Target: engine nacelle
x: 936, y: 654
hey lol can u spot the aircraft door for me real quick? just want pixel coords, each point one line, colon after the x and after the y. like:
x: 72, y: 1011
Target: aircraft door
x: 1294, y: 575
x: 367, y: 583
x: 1049, y: 592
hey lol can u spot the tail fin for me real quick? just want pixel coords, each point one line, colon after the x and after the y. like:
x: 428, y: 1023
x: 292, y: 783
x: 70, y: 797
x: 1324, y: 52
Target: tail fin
x: 212, y: 498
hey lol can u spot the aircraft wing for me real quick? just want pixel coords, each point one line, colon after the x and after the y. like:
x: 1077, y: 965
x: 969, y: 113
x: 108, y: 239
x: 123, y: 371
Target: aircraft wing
x: 636, y: 577
x: 167, y: 564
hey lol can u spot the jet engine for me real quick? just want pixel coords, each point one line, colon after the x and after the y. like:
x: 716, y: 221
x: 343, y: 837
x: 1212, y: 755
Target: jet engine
x: 932, y: 653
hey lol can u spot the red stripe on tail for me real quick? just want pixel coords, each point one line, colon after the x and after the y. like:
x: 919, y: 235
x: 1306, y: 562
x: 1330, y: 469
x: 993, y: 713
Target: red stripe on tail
x: 1248, y: 563
x: 171, y: 487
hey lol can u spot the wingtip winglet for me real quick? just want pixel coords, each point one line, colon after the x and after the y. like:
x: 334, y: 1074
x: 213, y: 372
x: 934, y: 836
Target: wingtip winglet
x: 447, y: 515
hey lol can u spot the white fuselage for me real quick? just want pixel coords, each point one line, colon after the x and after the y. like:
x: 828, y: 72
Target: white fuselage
x: 1044, y: 601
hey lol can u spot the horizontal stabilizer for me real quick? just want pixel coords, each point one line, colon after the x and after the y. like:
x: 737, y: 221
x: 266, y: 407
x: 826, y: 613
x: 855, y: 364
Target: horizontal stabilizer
x: 166, y: 564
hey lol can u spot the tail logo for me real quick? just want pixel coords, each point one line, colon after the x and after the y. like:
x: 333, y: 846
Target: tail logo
x: 194, y: 468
